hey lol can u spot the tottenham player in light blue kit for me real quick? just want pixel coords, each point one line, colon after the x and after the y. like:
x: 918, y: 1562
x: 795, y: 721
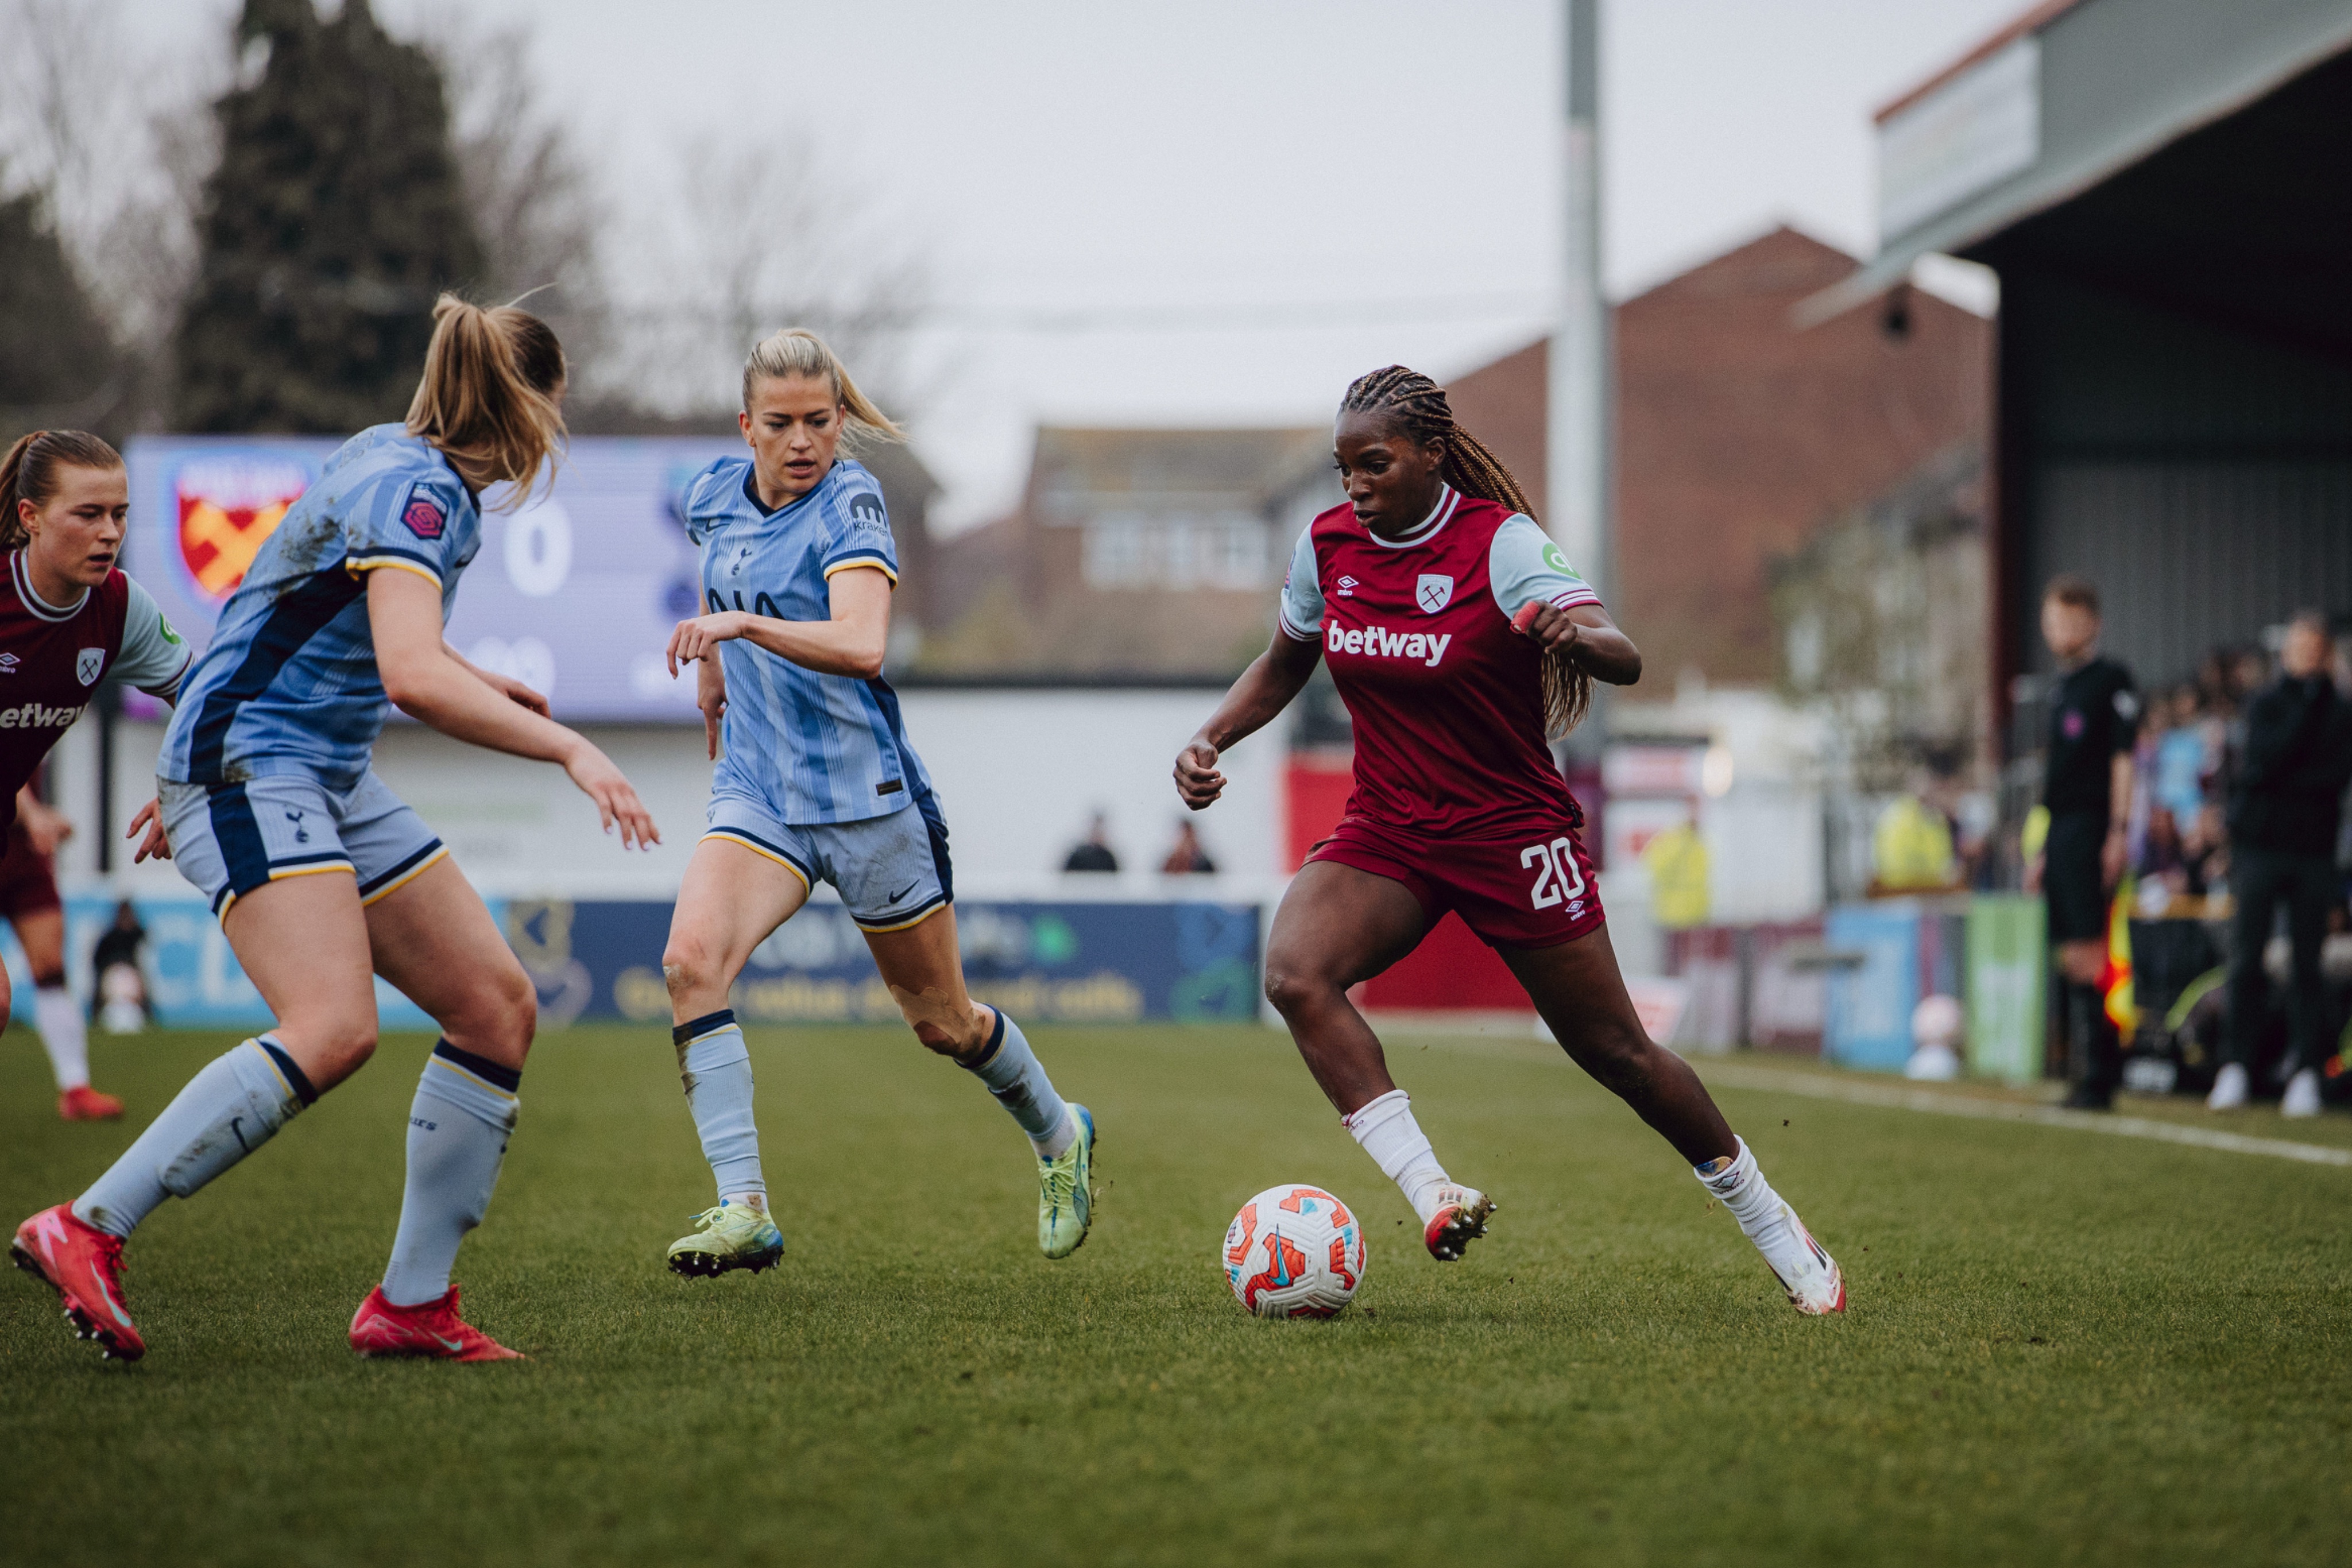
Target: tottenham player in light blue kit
x: 818, y: 782
x: 321, y: 878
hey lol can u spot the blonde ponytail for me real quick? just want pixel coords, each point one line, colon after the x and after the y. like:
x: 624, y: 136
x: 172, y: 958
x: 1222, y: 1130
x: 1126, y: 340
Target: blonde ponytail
x: 797, y: 351
x: 488, y: 394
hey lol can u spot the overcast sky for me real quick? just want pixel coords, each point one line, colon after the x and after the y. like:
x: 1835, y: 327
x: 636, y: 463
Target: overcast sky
x: 1220, y: 211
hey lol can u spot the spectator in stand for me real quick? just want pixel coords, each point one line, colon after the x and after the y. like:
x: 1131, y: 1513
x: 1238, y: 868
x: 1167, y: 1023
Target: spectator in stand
x: 2178, y: 768
x: 1187, y: 857
x: 2087, y: 793
x: 118, y: 948
x: 2284, y: 814
x: 1094, y: 853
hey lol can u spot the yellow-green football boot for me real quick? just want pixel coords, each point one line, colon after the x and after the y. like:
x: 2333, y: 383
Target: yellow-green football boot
x: 731, y: 1236
x: 1066, y: 1191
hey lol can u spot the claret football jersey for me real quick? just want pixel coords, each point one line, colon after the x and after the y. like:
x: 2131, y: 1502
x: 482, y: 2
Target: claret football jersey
x: 52, y: 657
x: 1447, y: 700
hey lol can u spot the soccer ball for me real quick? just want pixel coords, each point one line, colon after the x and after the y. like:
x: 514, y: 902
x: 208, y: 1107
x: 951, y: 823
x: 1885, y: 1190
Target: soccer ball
x: 1294, y: 1252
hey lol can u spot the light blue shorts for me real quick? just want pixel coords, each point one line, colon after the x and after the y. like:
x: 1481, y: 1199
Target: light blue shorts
x: 229, y: 839
x: 892, y: 872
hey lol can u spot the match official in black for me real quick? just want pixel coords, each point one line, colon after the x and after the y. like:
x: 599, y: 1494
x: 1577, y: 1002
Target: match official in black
x: 2086, y: 789
x: 2284, y: 815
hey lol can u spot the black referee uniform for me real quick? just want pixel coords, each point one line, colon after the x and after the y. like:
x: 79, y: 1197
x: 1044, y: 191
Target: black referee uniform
x: 2094, y: 719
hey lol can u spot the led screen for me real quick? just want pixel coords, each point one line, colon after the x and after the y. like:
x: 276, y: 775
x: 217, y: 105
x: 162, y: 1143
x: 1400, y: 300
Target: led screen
x: 575, y: 593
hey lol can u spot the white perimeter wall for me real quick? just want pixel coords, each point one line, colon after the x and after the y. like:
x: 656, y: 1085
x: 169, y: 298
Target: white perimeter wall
x: 1019, y: 774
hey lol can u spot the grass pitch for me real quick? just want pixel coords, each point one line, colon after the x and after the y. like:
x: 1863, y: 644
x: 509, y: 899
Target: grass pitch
x: 2060, y: 1348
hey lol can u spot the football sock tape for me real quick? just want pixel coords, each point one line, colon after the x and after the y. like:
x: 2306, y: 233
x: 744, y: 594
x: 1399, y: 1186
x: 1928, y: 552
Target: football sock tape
x: 235, y: 1104
x: 1385, y: 1130
x: 459, y: 1124
x: 1012, y: 1073
x: 64, y: 1034
x: 716, y: 1066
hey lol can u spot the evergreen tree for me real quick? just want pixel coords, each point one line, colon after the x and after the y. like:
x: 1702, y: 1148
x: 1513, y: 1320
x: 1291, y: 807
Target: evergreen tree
x: 334, y: 217
x: 55, y: 356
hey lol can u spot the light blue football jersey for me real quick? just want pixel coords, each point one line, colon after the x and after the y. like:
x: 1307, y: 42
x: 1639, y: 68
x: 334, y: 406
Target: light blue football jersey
x: 289, y: 683
x: 811, y: 747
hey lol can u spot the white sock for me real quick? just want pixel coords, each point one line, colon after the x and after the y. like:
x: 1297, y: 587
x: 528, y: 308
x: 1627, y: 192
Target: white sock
x: 1387, y: 1132
x: 1742, y: 1189
x: 59, y: 1017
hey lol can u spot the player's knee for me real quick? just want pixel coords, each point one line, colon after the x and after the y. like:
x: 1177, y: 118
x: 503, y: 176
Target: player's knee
x: 687, y: 969
x: 346, y: 1046
x: 1293, y: 991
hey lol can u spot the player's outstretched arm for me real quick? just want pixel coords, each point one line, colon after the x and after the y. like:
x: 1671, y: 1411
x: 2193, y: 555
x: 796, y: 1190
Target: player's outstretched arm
x: 433, y: 686
x: 851, y: 643
x: 1586, y: 635
x: 1264, y: 689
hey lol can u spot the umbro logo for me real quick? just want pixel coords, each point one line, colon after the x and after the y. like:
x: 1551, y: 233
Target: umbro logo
x: 8, y: 663
x: 1347, y: 588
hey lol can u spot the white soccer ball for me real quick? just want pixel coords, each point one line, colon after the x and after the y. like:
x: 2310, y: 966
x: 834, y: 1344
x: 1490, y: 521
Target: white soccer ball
x: 1294, y: 1251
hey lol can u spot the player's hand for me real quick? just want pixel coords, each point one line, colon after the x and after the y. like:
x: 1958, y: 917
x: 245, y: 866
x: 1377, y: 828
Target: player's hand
x: 710, y: 697
x: 514, y: 691
x: 696, y: 639
x: 1197, y: 779
x: 155, y: 846
x: 1549, y: 625
x: 616, y: 800
x: 45, y: 825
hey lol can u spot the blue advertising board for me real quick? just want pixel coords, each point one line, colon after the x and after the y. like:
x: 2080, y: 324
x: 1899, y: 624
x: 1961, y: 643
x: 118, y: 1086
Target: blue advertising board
x: 1042, y: 963
x: 1870, y: 1003
x: 575, y: 593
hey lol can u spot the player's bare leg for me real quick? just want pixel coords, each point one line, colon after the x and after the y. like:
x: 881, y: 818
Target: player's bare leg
x: 731, y: 899
x: 1578, y: 990
x: 1338, y: 927
x: 924, y: 970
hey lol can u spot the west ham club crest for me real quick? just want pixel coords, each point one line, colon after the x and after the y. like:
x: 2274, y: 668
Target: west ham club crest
x: 1435, y: 592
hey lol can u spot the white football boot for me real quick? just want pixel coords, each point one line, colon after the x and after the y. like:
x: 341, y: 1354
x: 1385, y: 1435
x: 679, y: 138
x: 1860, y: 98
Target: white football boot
x: 1459, y: 1218
x: 1807, y: 1273
x: 2229, y: 1089
x: 2302, y: 1097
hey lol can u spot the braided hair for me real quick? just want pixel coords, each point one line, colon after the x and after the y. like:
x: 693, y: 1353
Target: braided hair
x: 1416, y: 407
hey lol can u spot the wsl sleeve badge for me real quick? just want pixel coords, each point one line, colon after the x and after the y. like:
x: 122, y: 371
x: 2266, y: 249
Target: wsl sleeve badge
x: 425, y: 516
x: 1294, y: 1252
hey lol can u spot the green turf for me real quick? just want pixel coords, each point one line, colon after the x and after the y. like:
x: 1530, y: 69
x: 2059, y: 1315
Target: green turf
x: 2060, y: 1348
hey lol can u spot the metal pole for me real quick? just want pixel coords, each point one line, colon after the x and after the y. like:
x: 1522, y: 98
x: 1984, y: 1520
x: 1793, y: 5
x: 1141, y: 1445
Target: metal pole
x: 1578, y: 393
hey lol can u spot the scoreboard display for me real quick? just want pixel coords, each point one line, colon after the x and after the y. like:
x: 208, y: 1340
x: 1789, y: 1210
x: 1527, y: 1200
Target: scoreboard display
x: 574, y: 593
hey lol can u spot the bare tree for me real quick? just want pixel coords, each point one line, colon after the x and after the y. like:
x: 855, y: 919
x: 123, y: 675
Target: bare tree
x: 757, y: 238
x: 534, y: 200
x: 116, y: 145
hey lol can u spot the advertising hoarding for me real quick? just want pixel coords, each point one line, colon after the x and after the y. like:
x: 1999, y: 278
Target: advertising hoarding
x: 574, y: 593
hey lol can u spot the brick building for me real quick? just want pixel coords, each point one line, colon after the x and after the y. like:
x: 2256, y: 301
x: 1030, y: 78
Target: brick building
x: 1738, y: 437
x: 1133, y: 553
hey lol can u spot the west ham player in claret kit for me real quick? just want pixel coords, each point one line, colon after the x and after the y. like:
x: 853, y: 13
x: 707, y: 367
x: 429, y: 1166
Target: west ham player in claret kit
x: 1462, y: 642
x: 69, y: 619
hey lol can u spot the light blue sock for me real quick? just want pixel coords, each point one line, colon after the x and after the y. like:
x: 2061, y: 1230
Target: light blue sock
x: 1012, y: 1074
x: 457, y: 1129
x: 717, y: 1067
x: 228, y: 1111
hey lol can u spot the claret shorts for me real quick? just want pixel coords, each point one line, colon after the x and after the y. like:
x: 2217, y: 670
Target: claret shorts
x: 1531, y: 889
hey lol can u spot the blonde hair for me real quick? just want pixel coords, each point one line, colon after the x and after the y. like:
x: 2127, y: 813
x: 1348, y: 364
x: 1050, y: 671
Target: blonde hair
x: 487, y: 396
x: 797, y: 351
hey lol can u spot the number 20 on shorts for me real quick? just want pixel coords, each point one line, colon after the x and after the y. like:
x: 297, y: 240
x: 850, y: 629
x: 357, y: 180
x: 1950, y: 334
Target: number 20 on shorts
x: 1557, y: 876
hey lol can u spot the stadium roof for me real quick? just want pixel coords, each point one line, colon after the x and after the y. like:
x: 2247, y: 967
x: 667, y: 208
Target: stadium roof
x: 2065, y: 97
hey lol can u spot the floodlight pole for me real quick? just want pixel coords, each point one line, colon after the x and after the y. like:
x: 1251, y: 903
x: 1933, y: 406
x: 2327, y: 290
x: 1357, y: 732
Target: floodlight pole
x: 1577, y: 393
